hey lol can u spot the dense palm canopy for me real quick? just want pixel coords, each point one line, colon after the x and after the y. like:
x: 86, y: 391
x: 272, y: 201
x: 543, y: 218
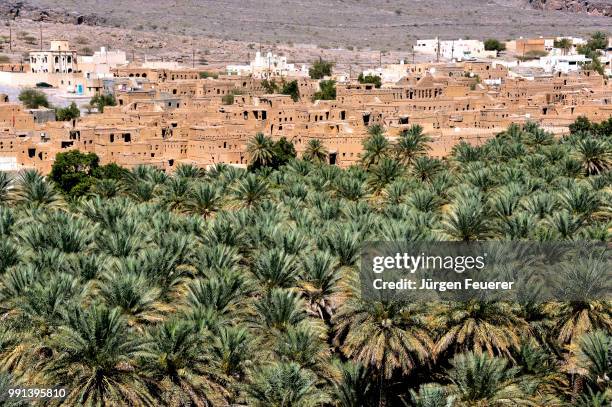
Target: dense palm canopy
x: 230, y: 287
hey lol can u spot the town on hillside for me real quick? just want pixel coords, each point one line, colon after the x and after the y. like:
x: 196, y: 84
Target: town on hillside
x: 162, y: 113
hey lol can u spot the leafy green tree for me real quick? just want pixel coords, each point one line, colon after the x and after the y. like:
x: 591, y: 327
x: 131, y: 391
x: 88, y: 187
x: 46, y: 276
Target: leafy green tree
x: 493, y: 44
x: 598, y: 41
x: 580, y: 125
x: 73, y: 171
x: 283, y: 152
x: 320, y: 69
x: 327, y: 91
x: 33, y: 99
x: 67, y: 113
x: 292, y: 89
x: 102, y: 100
x: 373, y: 79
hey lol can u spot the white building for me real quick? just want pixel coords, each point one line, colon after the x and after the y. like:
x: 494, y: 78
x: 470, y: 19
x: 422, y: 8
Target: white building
x: 454, y: 49
x: 390, y: 73
x: 58, y: 59
x: 99, y: 65
x: 564, y: 63
x: 269, y: 66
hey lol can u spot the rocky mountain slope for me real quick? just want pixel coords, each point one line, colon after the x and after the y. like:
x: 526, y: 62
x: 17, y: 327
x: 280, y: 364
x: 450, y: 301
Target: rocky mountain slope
x: 594, y: 8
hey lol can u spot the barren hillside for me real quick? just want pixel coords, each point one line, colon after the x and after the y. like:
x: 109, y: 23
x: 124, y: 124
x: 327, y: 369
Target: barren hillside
x: 386, y: 24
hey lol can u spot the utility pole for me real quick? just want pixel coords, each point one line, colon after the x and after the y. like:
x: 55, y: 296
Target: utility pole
x: 380, y: 60
x: 438, y: 51
x: 41, y: 48
x: 192, y: 55
x: 10, y: 36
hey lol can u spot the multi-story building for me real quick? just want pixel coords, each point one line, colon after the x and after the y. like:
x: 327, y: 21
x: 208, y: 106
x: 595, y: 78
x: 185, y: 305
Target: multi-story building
x: 60, y: 58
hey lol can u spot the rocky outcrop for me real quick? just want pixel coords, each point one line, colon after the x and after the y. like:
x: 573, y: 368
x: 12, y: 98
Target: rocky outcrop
x: 595, y: 8
x: 20, y: 9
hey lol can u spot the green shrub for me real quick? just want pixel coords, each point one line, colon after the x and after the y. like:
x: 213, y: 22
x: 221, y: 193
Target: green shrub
x: 33, y: 99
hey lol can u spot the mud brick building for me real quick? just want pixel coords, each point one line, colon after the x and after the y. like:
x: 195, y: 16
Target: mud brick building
x: 166, y: 116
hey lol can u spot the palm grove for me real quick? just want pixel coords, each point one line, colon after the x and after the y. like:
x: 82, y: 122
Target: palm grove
x: 240, y: 287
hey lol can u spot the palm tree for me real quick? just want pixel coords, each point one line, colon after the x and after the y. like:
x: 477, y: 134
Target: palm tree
x: 580, y: 201
x: 188, y: 171
x: 250, y: 192
x: 375, y: 147
x: 275, y: 268
x: 33, y: 190
x: 203, y: 200
x: 175, y: 191
x: 466, y: 153
x: 594, y: 357
x: 133, y: 294
x: 595, y: 155
x: 95, y: 360
x: 179, y: 368
x: 315, y: 151
x: 5, y: 185
x: 412, y: 143
x: 590, y: 363
x: 304, y: 346
x: 319, y: 283
x: 431, y: 395
x: 425, y: 168
x: 232, y: 348
x: 467, y: 221
x: 284, y: 384
x: 385, y: 336
x: 565, y: 224
x: 350, y: 188
x: 354, y: 387
x: 482, y: 380
x: 383, y: 173
x: 221, y: 294
x: 260, y: 150
x: 279, y: 309
x: 576, y: 318
x: 490, y: 327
